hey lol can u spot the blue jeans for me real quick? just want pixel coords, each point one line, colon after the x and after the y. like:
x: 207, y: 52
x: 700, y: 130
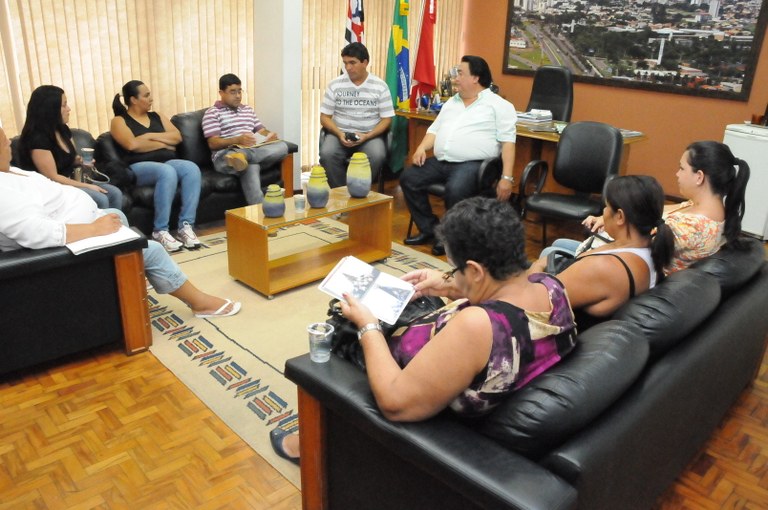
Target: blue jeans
x: 162, y: 272
x: 258, y: 158
x: 166, y: 177
x: 113, y: 199
x: 561, y: 246
x: 333, y: 157
x: 460, y: 181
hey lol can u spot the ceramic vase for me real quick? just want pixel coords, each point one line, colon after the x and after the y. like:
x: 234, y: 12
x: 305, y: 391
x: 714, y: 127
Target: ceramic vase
x: 274, y: 203
x: 359, y: 175
x: 318, y: 190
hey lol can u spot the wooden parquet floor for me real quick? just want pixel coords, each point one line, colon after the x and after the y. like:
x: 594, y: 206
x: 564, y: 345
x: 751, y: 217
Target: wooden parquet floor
x: 106, y: 431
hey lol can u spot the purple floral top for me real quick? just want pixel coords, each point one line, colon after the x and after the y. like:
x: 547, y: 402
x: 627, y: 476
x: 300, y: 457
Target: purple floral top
x: 525, y: 344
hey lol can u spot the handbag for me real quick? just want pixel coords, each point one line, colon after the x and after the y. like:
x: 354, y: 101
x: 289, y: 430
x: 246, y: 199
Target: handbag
x: 90, y: 175
x: 558, y: 261
x: 344, y: 342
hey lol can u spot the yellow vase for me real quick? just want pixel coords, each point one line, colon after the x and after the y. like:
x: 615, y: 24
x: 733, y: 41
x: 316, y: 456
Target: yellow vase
x: 274, y: 203
x: 359, y: 175
x: 318, y: 190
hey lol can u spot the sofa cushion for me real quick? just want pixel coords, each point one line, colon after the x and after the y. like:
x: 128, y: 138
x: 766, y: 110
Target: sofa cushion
x: 555, y: 405
x: 672, y: 309
x: 734, y: 266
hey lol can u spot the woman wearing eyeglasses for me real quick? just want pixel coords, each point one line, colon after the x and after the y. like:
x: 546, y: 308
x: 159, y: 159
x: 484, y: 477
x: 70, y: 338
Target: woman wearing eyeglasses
x: 505, y: 327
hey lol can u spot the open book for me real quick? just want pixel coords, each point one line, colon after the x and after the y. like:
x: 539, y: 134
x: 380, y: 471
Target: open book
x: 260, y: 140
x: 385, y: 295
x: 94, y: 243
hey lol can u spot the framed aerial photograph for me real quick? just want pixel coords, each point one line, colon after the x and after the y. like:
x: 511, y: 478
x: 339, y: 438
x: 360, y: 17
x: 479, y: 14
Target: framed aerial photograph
x: 683, y: 47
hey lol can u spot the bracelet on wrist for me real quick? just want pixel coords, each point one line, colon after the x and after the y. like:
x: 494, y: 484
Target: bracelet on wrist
x: 508, y: 178
x: 368, y: 327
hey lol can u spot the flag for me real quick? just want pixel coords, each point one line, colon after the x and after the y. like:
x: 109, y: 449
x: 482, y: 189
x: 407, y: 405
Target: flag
x: 424, y: 71
x: 398, y: 80
x: 354, y: 31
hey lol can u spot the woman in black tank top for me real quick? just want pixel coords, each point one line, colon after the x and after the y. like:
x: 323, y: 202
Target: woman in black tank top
x: 148, y: 141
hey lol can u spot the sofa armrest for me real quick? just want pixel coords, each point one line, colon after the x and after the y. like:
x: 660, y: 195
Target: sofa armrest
x: 16, y: 263
x: 441, y: 448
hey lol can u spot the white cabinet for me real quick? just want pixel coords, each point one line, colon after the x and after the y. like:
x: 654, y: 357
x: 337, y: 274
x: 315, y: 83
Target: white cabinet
x: 750, y: 143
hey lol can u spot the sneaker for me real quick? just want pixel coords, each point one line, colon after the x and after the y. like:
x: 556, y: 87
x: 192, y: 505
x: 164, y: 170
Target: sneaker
x: 237, y: 161
x: 187, y: 236
x: 166, y: 239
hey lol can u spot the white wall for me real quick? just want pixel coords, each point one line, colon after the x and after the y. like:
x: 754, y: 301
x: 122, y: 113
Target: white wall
x: 278, y: 69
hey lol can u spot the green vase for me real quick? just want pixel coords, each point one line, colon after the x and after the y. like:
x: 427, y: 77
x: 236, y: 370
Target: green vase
x: 318, y: 190
x: 359, y: 175
x: 274, y: 203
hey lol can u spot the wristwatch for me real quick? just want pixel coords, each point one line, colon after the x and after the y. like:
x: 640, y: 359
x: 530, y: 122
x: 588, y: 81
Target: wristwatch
x: 368, y: 327
x: 508, y: 178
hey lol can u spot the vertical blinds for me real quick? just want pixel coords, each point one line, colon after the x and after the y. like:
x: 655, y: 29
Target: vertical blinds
x: 90, y: 48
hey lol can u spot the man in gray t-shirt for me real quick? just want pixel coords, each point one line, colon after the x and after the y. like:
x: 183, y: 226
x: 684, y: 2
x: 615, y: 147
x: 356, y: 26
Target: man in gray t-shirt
x: 356, y: 113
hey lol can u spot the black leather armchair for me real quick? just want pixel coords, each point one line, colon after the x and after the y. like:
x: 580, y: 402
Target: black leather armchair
x: 553, y: 90
x: 588, y: 154
x: 218, y: 193
x: 55, y: 303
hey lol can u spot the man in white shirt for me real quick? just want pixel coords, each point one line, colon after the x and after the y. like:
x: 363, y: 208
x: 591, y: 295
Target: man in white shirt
x: 36, y: 212
x: 356, y: 113
x: 475, y: 124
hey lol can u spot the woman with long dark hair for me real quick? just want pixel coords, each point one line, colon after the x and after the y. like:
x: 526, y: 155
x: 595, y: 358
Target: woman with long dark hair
x: 148, y: 140
x: 46, y: 145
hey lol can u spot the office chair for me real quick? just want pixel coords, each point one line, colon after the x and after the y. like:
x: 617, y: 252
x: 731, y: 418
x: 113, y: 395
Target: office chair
x: 553, y: 90
x: 488, y: 175
x: 588, y: 154
x: 382, y: 170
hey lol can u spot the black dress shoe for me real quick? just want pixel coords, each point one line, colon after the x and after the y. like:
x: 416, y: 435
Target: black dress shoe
x: 438, y: 249
x: 419, y: 239
x: 276, y: 437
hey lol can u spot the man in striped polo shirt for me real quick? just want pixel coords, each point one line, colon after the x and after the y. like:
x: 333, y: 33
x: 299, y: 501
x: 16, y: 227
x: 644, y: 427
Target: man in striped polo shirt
x: 356, y: 113
x: 239, y: 142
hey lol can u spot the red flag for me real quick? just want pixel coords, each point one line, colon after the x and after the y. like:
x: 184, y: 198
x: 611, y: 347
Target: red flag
x: 424, y: 81
x: 354, y: 31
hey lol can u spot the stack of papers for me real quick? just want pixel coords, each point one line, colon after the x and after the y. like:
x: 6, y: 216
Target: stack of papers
x: 385, y: 295
x: 535, y: 116
x: 94, y: 243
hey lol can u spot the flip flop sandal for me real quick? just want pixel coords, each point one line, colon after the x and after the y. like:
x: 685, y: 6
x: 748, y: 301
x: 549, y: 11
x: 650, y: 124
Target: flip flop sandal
x: 220, y: 312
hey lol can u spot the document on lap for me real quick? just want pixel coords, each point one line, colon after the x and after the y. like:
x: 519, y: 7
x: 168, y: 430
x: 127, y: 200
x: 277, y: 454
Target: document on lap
x: 260, y: 140
x: 385, y: 295
x: 94, y: 243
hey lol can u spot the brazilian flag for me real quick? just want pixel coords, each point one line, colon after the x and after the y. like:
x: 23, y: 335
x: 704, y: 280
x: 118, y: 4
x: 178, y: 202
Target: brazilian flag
x: 399, y: 81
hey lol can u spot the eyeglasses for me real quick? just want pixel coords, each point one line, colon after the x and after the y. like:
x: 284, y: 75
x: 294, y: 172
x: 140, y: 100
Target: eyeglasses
x: 449, y: 274
x: 454, y: 72
x: 238, y: 92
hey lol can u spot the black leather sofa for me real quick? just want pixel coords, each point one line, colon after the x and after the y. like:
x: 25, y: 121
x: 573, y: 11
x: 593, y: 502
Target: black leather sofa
x: 55, y: 303
x: 219, y: 191
x: 610, y: 427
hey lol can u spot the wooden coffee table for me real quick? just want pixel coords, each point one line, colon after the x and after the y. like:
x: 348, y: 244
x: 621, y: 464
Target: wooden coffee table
x: 370, y: 239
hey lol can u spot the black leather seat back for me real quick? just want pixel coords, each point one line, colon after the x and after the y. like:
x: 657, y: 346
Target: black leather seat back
x: 734, y: 266
x: 553, y: 90
x: 557, y: 404
x: 671, y: 310
x: 588, y: 153
x: 193, y: 146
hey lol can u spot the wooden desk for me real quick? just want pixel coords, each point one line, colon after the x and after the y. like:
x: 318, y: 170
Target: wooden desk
x: 370, y: 239
x: 530, y: 145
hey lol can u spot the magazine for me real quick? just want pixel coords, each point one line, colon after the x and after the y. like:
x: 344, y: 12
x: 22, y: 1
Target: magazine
x: 94, y: 243
x: 384, y: 294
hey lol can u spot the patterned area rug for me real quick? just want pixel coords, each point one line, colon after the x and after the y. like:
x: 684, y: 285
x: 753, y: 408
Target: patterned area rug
x: 235, y: 364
